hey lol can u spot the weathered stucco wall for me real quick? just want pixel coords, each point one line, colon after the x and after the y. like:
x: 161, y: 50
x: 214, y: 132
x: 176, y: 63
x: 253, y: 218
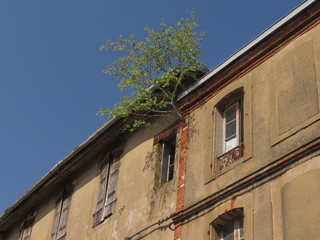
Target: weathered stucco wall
x: 281, y: 208
x: 139, y: 201
x: 282, y: 95
x: 43, y: 220
x: 259, y: 114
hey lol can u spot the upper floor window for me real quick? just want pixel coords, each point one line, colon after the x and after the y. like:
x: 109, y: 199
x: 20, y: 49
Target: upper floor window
x: 59, y: 228
x: 229, y: 226
x: 229, y: 128
x: 107, y: 192
x: 233, y: 230
x: 165, y: 145
x: 231, y: 125
x: 26, y: 227
x: 168, y: 152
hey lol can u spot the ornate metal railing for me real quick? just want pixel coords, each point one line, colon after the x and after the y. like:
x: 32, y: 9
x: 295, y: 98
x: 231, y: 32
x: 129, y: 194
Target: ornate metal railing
x: 231, y: 156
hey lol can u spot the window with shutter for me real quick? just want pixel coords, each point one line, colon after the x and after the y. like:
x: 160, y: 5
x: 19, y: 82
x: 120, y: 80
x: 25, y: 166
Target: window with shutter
x: 229, y: 129
x: 107, y: 191
x: 56, y: 220
x: 111, y: 195
x: 158, y: 167
x: 61, y: 215
x: 104, y: 172
x: 25, y: 233
x: 167, y: 159
x: 165, y: 151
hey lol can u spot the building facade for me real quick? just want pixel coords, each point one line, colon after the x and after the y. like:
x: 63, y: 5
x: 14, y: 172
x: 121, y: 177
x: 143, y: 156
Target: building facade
x: 244, y: 163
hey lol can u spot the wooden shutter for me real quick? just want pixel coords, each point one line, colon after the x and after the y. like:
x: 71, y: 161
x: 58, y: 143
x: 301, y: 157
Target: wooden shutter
x: 111, y: 195
x: 104, y: 170
x: 56, y: 219
x: 158, y: 157
x: 26, y: 233
x: 26, y: 227
x: 61, y: 214
x: 64, y: 216
x: 165, y: 161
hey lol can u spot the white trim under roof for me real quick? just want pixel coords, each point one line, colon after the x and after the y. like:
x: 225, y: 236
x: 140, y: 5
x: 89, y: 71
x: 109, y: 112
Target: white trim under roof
x: 248, y: 46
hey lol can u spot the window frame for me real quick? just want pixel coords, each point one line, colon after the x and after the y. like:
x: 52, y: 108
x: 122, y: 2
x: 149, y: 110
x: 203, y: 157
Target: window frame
x: 168, y: 151
x: 237, y: 227
x: 109, y: 169
x: 244, y: 87
x: 238, y: 125
x: 234, y: 217
x: 61, y: 214
x: 26, y: 227
x: 160, y: 141
x: 223, y: 155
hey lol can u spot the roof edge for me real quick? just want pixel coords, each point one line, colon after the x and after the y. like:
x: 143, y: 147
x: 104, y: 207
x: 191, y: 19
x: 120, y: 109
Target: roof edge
x: 57, y: 166
x: 248, y: 46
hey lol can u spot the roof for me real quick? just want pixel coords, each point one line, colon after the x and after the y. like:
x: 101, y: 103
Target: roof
x: 249, y: 45
x: 112, y: 123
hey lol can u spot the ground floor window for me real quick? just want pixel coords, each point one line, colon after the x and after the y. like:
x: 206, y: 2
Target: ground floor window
x: 229, y: 226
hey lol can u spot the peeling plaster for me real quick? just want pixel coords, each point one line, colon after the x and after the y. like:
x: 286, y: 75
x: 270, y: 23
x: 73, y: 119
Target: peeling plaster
x: 115, y: 234
x: 129, y: 220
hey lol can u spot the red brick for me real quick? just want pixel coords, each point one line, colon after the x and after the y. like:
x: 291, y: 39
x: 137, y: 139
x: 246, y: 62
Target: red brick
x: 181, y: 176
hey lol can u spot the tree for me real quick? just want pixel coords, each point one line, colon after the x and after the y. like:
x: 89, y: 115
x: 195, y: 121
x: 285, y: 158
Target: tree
x: 154, y: 70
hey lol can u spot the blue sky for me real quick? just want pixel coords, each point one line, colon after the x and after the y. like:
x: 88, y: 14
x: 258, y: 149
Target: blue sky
x: 51, y: 85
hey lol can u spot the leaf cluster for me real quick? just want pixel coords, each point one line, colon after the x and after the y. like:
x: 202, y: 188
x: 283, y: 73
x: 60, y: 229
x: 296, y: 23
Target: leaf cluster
x: 154, y: 69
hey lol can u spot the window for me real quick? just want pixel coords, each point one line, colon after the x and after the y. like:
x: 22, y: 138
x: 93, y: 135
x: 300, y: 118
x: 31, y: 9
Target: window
x: 26, y: 227
x: 229, y: 128
x: 107, y: 192
x: 59, y: 229
x: 233, y: 230
x: 165, y: 151
x: 168, y: 152
x: 26, y: 232
x: 231, y: 125
x: 229, y: 226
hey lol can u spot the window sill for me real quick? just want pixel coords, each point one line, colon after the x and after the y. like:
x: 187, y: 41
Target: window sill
x: 101, y: 221
x: 164, y: 186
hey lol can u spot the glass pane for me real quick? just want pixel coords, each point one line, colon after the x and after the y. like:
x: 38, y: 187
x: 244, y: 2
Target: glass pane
x: 228, y: 232
x: 231, y: 114
x: 170, y: 173
x: 167, y: 164
x: 241, y: 228
x: 231, y: 129
x: 231, y: 143
x: 172, y: 153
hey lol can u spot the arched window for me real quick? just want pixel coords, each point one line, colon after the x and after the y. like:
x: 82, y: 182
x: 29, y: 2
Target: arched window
x: 229, y: 128
x: 229, y: 226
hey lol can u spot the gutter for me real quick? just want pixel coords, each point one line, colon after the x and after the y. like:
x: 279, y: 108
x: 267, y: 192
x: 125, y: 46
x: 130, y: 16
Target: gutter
x: 56, y: 167
x: 248, y: 46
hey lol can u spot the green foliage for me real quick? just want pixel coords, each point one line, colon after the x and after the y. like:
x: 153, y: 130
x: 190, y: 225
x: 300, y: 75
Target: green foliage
x: 153, y: 69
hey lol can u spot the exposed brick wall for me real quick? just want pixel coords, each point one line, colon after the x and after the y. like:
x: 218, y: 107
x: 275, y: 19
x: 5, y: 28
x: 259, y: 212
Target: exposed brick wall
x: 181, y: 175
